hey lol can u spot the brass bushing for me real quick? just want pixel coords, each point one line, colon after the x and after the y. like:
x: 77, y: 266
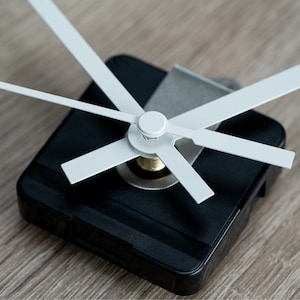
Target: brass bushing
x: 150, y: 164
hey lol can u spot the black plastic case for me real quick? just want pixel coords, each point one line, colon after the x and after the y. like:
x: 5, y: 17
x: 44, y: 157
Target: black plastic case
x: 162, y: 236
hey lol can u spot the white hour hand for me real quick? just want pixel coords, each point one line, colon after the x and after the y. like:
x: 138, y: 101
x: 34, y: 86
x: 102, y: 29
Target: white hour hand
x: 99, y: 160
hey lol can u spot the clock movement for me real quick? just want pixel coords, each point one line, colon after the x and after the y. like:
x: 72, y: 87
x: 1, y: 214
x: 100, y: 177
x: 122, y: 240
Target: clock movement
x: 156, y: 171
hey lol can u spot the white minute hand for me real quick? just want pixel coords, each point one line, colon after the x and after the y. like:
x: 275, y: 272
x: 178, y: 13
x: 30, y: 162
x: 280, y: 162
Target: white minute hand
x: 242, y: 100
x: 88, y: 59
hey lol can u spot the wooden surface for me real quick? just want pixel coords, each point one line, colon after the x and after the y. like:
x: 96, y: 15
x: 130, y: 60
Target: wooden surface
x: 246, y: 40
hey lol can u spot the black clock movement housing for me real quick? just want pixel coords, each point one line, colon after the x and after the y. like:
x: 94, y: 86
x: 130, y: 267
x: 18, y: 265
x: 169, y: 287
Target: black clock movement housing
x: 160, y: 235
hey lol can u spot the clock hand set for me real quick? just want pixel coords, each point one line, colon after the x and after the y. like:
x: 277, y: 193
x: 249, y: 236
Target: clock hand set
x: 150, y: 133
x: 84, y: 166
x: 201, y: 137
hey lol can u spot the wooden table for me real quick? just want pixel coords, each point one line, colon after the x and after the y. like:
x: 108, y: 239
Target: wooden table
x: 246, y: 40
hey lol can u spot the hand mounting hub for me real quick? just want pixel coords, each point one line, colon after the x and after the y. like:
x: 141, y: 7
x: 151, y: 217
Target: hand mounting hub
x: 152, y: 124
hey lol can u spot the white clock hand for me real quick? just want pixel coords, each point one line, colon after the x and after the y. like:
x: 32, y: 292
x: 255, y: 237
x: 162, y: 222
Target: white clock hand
x: 99, y: 160
x: 88, y: 59
x: 242, y: 100
x: 91, y: 108
x: 236, y: 146
x: 185, y: 173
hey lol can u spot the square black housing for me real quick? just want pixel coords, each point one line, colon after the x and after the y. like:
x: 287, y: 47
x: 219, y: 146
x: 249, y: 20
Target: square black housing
x: 162, y: 236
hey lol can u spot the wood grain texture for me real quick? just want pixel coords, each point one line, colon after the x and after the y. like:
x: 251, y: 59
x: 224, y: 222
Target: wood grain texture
x: 246, y: 40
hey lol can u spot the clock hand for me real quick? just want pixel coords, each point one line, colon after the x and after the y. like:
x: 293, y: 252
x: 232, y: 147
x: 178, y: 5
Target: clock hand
x: 99, y: 160
x: 242, y: 100
x: 88, y: 59
x: 91, y: 108
x: 185, y: 173
x: 236, y: 146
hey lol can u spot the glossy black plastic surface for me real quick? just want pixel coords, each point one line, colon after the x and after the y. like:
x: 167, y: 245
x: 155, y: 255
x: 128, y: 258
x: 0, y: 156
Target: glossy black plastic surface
x: 162, y: 236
